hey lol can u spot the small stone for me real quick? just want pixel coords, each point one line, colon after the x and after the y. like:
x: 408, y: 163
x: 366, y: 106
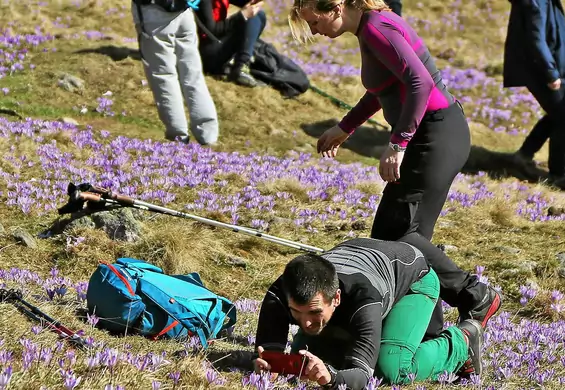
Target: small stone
x: 450, y: 248
x: 68, y: 121
x: 70, y: 83
x: 507, y: 249
x: 561, y: 257
x: 119, y: 224
x: 280, y: 221
x: 359, y: 225
x: 25, y: 238
x: 555, y: 211
x: 445, y: 224
x: 331, y: 227
x: 84, y: 222
x: 527, y: 265
x: 237, y: 262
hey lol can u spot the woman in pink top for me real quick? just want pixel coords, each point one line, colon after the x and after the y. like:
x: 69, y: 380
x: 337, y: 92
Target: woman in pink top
x: 430, y: 139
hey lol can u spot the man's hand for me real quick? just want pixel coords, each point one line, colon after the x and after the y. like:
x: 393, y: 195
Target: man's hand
x: 261, y: 365
x: 555, y: 85
x: 389, y: 168
x: 315, y: 370
x: 329, y: 142
x: 251, y: 9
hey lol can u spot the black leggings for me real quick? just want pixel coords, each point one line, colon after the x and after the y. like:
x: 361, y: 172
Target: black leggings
x: 432, y: 159
x: 551, y: 126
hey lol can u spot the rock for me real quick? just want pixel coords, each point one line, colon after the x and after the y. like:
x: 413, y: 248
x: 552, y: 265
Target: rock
x: 331, y: 227
x: 275, y: 131
x: 447, y: 54
x: 236, y: 262
x: 561, y: 257
x: 507, y: 249
x: 526, y: 265
x: 445, y: 224
x: 450, y: 248
x: 359, y: 225
x: 84, y: 222
x: 555, y: 211
x: 118, y: 224
x: 280, y: 221
x: 531, y: 283
x: 25, y: 238
x: 68, y: 121
x: 70, y: 83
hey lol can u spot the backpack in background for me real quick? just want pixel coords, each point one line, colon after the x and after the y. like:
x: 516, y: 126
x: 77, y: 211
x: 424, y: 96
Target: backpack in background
x: 133, y: 296
x: 278, y: 70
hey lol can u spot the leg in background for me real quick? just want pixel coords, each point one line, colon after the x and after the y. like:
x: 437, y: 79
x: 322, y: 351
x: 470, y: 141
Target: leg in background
x: 201, y: 107
x: 160, y: 65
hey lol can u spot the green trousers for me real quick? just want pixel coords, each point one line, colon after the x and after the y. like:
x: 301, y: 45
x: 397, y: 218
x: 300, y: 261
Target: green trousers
x: 402, y: 355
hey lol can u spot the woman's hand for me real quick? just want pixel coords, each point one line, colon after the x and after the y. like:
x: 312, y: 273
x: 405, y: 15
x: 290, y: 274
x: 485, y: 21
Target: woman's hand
x: 389, y: 168
x: 251, y: 9
x: 315, y: 370
x: 329, y: 142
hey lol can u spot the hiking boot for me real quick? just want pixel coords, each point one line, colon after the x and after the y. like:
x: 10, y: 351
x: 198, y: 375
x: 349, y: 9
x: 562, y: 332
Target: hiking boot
x: 474, y: 336
x: 241, y: 76
x: 557, y: 181
x: 485, y: 309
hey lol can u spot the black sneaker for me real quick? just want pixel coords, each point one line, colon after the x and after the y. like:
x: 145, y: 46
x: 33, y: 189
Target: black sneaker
x: 474, y: 336
x: 485, y: 310
x: 240, y: 76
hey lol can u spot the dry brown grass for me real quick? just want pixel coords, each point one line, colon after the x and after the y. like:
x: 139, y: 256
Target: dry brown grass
x: 251, y: 120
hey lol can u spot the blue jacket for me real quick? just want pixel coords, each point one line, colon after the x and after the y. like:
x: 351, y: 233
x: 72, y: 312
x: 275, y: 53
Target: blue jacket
x: 535, y: 43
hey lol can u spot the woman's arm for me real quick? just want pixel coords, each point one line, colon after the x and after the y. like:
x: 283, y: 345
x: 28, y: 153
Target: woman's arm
x: 363, y: 110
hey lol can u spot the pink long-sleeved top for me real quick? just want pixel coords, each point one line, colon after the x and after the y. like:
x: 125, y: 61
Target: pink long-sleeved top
x: 399, y: 74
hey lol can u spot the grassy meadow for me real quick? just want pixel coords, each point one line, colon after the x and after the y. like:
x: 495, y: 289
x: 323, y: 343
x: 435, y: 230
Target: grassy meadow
x: 264, y: 173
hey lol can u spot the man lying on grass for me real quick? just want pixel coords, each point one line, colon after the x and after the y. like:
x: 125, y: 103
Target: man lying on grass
x: 363, y: 308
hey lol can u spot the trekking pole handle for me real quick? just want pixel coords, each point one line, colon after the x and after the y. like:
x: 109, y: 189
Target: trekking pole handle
x: 122, y: 199
x: 90, y: 197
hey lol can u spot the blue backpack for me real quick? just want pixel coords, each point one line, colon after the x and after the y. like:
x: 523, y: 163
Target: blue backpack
x: 132, y: 296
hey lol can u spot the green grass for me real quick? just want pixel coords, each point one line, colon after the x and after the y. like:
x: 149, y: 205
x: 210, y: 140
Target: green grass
x: 252, y: 120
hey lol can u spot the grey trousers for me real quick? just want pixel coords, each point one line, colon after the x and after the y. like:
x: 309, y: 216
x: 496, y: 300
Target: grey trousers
x: 168, y: 42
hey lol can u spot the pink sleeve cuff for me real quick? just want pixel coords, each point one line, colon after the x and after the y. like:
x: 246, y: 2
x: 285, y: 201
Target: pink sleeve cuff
x: 397, y: 139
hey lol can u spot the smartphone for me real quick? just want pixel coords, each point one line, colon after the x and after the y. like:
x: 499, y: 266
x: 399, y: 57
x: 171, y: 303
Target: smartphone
x: 284, y: 363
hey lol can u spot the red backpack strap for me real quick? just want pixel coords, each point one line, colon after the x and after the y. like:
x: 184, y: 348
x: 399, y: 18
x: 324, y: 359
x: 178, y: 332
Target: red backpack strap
x: 220, y: 9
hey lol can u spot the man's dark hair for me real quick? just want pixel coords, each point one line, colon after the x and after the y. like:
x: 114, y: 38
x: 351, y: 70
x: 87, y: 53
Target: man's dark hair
x: 307, y: 275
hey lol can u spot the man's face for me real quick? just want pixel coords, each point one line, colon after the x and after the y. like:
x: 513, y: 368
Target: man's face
x: 314, y: 315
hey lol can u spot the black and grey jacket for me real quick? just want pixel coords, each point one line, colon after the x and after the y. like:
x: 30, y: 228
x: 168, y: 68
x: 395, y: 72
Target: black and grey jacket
x: 373, y: 276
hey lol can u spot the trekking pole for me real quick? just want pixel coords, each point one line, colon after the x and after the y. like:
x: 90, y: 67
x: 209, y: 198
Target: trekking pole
x: 16, y: 298
x: 86, y: 194
x: 341, y: 103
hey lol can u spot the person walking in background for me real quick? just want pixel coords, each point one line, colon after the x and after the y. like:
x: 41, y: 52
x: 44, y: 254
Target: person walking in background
x: 395, y: 6
x: 534, y: 57
x: 430, y: 140
x: 232, y: 37
x: 168, y: 43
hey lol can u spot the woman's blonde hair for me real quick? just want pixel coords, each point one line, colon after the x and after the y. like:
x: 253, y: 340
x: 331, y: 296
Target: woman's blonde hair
x: 299, y: 27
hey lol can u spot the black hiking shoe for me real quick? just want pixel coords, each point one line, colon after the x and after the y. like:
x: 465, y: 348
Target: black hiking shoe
x: 484, y: 310
x: 474, y: 336
x: 240, y: 76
